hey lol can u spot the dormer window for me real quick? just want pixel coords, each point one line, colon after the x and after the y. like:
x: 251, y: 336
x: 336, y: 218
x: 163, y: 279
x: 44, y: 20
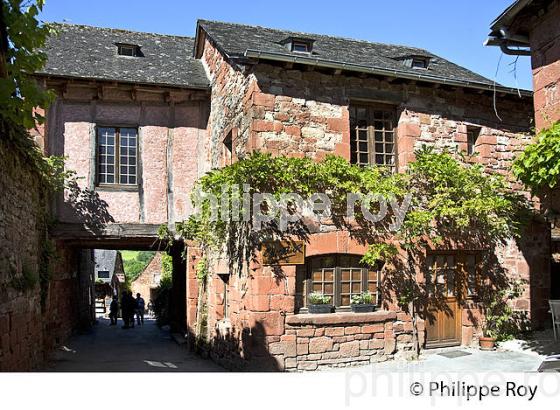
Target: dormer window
x: 420, y: 63
x: 298, y: 45
x: 128, y: 50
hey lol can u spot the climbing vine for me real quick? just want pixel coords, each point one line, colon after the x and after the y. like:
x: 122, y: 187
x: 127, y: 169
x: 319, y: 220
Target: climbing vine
x: 538, y: 166
x: 451, y: 203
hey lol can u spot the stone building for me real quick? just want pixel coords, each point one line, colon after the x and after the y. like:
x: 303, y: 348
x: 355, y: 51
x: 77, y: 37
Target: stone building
x: 142, y: 116
x: 107, y: 263
x: 530, y: 28
x: 149, y: 279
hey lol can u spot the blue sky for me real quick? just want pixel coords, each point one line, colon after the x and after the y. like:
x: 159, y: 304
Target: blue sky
x: 451, y: 29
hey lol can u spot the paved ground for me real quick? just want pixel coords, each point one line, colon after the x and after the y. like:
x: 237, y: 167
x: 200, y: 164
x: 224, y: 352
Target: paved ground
x: 149, y: 348
x: 142, y: 349
x: 473, y: 361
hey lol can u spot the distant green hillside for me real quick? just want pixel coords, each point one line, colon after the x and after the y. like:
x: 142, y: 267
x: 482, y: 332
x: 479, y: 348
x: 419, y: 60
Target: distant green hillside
x: 135, y: 262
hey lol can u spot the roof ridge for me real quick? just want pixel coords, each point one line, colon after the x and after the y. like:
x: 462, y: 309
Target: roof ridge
x: 117, y: 29
x: 317, y: 34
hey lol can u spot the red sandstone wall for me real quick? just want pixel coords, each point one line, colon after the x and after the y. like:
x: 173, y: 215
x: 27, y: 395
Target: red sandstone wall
x: 33, y: 319
x: 545, y: 59
x: 305, y: 113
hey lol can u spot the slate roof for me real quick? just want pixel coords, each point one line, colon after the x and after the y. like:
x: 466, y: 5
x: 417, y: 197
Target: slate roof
x: 90, y: 52
x: 237, y: 40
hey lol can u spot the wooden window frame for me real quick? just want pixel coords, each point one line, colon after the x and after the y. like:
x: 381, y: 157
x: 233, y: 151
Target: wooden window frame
x: 117, y: 154
x: 462, y: 289
x: 337, y: 279
x: 355, y: 149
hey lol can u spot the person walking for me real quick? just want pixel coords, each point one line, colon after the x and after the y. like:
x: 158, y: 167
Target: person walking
x: 140, y: 305
x: 114, y: 311
x: 131, y: 309
x: 127, y: 307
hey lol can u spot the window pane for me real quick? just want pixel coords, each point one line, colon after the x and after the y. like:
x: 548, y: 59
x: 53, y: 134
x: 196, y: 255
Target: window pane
x: 345, y: 300
x: 105, y: 154
x: 128, y: 141
x: 317, y: 276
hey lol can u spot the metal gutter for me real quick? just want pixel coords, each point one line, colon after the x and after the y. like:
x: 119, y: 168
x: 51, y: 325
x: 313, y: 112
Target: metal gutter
x: 503, y: 39
x: 266, y: 55
x: 509, y: 14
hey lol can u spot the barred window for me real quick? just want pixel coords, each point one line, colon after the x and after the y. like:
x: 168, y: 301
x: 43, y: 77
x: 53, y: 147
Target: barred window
x: 341, y: 276
x: 117, y: 155
x: 372, y: 135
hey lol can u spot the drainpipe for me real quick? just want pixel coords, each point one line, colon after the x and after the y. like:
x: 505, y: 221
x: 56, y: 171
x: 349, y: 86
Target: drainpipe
x: 506, y: 40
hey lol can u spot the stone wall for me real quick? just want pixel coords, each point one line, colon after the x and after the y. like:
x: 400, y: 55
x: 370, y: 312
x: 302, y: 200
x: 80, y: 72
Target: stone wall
x: 38, y: 316
x: 545, y: 59
x: 305, y: 112
x: 231, y: 101
x: 171, y: 127
x: 343, y: 339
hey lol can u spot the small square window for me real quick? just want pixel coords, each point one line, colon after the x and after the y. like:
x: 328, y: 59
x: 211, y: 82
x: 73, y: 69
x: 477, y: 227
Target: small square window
x: 128, y: 50
x: 300, y: 46
x: 420, y: 63
x: 103, y: 274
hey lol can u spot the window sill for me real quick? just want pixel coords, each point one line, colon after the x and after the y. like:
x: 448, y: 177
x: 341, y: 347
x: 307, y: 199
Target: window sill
x: 340, y: 318
x: 128, y: 188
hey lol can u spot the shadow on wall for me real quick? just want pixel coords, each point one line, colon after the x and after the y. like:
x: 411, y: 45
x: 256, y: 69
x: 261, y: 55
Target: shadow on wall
x: 239, y: 350
x: 430, y: 294
x: 87, y: 207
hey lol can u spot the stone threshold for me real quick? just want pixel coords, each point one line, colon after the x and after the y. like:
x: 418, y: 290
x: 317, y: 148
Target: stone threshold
x: 340, y: 318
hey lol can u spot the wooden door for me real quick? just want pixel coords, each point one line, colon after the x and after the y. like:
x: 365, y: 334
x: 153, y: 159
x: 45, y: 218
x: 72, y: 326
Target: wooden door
x: 443, y: 324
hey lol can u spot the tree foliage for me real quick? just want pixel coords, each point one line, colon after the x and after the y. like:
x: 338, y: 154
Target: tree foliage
x: 134, y: 263
x: 21, y: 38
x: 538, y: 166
